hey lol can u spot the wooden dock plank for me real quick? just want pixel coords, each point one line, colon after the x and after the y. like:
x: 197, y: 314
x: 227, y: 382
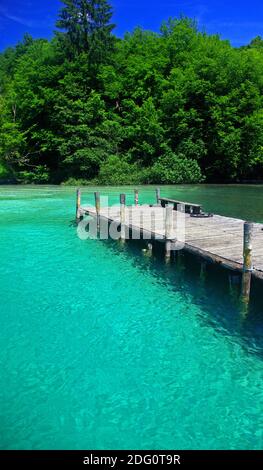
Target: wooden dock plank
x: 218, y: 237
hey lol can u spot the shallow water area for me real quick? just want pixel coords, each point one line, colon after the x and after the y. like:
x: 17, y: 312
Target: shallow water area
x: 105, y: 348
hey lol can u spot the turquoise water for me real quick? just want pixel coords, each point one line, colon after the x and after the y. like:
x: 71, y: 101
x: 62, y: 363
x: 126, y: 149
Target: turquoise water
x: 104, y: 348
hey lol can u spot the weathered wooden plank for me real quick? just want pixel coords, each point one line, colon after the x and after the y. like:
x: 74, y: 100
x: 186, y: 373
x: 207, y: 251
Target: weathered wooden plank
x: 216, y: 238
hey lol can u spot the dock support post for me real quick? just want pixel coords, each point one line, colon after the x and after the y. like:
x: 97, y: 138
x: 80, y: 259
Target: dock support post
x: 168, y: 230
x: 97, y: 205
x: 158, y: 195
x: 122, y: 215
x: 149, y: 250
x: 180, y: 262
x: 247, y: 265
x: 203, y: 273
x: 136, y: 197
x: 78, y: 204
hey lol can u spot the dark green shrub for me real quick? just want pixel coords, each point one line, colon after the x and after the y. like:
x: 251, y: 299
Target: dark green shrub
x: 117, y: 170
x: 175, y: 169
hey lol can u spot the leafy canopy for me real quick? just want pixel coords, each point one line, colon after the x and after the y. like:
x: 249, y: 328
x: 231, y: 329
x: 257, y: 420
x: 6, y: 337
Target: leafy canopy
x: 170, y: 107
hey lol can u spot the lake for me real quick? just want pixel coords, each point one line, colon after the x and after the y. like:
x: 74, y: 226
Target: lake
x: 105, y: 348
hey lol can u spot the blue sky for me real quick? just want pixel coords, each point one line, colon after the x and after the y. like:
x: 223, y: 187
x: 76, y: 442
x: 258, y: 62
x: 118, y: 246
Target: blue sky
x: 236, y: 20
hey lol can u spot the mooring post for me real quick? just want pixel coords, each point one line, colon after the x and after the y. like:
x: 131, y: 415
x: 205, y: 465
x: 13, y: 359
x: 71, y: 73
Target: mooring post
x: 78, y: 204
x: 97, y: 205
x: 168, y: 230
x: 136, y: 197
x: 247, y: 263
x: 158, y: 195
x: 122, y: 215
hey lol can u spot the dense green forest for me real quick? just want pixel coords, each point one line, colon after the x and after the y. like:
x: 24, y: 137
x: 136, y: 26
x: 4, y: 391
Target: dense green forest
x: 168, y: 107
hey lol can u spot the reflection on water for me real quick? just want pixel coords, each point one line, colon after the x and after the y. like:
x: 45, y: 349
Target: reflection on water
x: 212, y: 287
x: 100, y: 340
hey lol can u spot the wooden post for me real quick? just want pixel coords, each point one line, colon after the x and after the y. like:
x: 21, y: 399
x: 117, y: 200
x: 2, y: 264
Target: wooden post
x: 122, y: 215
x: 168, y: 231
x: 158, y: 195
x: 136, y: 197
x: 247, y: 266
x: 97, y: 205
x: 149, y: 250
x: 203, y: 271
x: 78, y: 204
x: 180, y: 261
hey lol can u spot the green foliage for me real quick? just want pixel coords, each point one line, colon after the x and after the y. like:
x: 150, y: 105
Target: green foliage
x: 86, y: 28
x: 167, y: 108
x: 257, y: 43
x: 175, y: 169
x: 117, y: 170
x: 39, y: 175
x: 3, y: 172
x: 76, y: 182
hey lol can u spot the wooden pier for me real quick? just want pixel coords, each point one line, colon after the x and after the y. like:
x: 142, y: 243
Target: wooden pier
x: 232, y: 243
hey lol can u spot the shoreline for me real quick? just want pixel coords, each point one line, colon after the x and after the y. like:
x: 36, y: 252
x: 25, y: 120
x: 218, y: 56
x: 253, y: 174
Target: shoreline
x: 10, y: 182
